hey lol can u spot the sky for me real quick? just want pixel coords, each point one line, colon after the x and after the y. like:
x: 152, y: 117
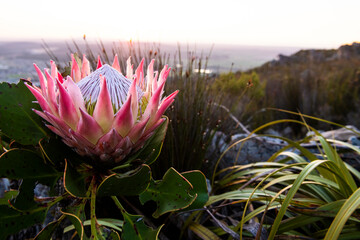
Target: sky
x: 306, y: 23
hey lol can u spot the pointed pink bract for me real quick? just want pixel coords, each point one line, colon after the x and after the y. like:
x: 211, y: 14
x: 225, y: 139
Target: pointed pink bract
x: 140, y: 73
x: 87, y: 122
x: 42, y: 81
x: 129, y: 69
x: 75, y: 93
x: 103, y: 112
x: 75, y: 70
x: 134, y: 100
x: 40, y: 98
x: 99, y: 63
x: 116, y: 63
x: 124, y: 120
x: 67, y: 110
x: 138, y: 130
x: 85, y: 69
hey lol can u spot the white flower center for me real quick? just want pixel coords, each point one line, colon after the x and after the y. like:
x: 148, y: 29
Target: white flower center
x: 118, y: 86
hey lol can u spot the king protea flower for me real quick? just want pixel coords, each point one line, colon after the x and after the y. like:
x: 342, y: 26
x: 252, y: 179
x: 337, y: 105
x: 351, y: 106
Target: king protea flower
x: 103, y: 114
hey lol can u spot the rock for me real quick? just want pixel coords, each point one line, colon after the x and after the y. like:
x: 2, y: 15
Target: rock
x: 341, y: 134
x: 41, y: 191
x: 4, y: 186
x: 273, y: 132
x: 249, y: 151
x: 354, y: 141
x: 218, y: 143
x: 287, y: 131
x: 349, y: 51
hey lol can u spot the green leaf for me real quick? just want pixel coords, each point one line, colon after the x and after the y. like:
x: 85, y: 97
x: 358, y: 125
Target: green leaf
x: 324, y: 211
x: 108, y: 222
x: 31, y: 168
x: 107, y: 234
x: 76, y: 214
x: 152, y: 148
x: 56, y: 151
x: 12, y: 221
x: 203, y: 232
x: 170, y: 194
x: 17, y: 120
x: 135, y: 229
x: 127, y: 184
x: 74, y: 182
x: 48, y: 231
x: 113, y: 235
x: 25, y: 164
x: 76, y: 221
x: 25, y: 199
x: 8, y: 195
x: 198, y: 181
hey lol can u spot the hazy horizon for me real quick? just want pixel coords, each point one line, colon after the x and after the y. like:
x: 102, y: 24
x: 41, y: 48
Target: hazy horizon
x: 305, y: 24
x: 17, y: 58
x: 205, y: 44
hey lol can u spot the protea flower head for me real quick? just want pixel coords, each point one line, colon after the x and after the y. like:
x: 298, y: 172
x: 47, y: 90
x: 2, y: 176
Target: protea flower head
x: 103, y: 114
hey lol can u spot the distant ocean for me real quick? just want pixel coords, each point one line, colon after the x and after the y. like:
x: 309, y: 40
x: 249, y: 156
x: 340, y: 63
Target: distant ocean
x: 17, y: 58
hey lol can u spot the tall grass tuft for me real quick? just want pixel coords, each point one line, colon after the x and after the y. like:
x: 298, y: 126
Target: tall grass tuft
x: 194, y: 116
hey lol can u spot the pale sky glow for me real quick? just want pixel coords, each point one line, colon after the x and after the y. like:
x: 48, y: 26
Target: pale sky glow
x: 306, y: 23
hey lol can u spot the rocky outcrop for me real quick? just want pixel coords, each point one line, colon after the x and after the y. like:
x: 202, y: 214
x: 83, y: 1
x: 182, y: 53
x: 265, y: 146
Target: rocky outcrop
x: 318, y: 55
x: 349, y: 51
x: 239, y: 150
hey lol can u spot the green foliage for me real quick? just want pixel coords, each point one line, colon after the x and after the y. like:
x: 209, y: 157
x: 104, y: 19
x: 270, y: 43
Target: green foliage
x: 8, y: 196
x: 26, y: 164
x: 17, y: 120
x: 12, y: 220
x: 74, y: 181
x: 237, y: 84
x: 328, y: 89
x: 198, y: 181
x: 131, y: 183
x: 47, y: 232
x: 74, y: 216
x: 243, y: 93
x: 343, y: 91
x: 135, y: 228
x: 171, y: 193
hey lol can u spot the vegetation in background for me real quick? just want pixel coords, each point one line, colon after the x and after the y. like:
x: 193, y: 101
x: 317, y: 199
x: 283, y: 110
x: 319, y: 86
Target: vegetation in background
x: 243, y: 93
x: 321, y: 83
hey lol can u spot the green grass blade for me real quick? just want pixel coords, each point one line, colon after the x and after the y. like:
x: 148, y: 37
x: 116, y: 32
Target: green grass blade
x: 334, y: 157
x: 297, y: 183
x: 351, y: 204
x: 327, y: 210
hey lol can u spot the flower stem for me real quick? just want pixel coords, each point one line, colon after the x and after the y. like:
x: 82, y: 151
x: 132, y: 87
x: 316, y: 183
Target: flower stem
x: 118, y: 204
x: 92, y: 209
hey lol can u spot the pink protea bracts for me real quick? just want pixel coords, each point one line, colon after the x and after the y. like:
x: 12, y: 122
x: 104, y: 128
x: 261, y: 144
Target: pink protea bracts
x: 103, y: 114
